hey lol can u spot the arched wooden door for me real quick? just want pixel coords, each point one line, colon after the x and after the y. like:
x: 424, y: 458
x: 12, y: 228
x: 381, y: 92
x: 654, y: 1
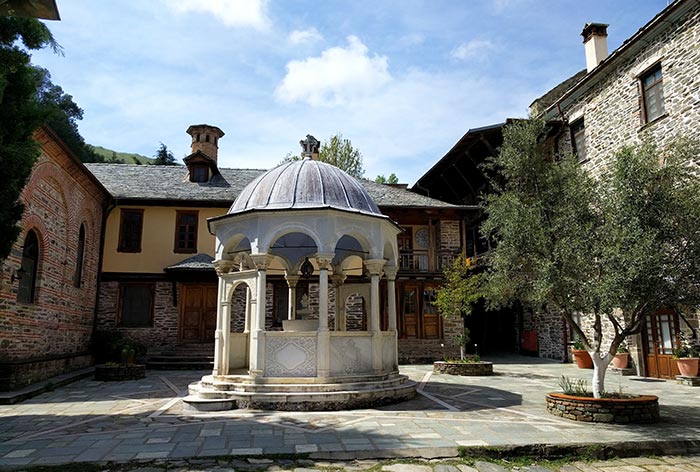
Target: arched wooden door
x: 660, y: 339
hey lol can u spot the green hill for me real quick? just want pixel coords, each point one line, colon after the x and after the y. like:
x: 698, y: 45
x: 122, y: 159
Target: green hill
x: 127, y: 157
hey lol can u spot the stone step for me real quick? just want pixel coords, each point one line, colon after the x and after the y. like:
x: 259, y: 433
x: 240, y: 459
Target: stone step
x: 205, y: 399
x: 192, y: 364
x: 297, y: 387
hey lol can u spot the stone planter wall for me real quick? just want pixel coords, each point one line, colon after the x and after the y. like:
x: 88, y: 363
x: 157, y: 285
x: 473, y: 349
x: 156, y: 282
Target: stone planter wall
x: 462, y: 368
x: 109, y: 373
x: 642, y: 409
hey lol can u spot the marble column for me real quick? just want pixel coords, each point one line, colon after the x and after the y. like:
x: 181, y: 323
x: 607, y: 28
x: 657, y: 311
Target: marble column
x: 257, y: 338
x: 390, y: 273
x: 374, y: 268
x: 338, y: 281
x: 292, y: 281
x: 222, y: 266
x: 323, y: 345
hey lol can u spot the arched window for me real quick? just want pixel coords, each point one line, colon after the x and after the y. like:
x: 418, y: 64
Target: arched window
x: 77, y: 277
x: 30, y: 262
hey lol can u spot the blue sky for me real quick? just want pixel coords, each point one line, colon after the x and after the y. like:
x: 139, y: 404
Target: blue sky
x: 404, y: 80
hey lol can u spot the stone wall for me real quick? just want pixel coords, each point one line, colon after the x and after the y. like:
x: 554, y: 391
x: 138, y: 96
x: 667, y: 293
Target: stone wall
x: 164, y: 329
x: 51, y: 335
x: 550, y: 328
x: 643, y: 409
x: 612, y: 107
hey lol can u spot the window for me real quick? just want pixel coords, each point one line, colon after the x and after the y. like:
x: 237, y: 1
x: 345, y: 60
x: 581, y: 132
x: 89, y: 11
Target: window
x: 136, y: 305
x: 130, y: 231
x: 578, y: 139
x: 186, y: 231
x: 79, y: 257
x: 652, y: 94
x: 199, y: 173
x: 28, y: 269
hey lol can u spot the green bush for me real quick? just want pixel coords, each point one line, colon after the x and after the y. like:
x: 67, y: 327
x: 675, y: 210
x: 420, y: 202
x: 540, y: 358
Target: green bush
x: 108, y: 345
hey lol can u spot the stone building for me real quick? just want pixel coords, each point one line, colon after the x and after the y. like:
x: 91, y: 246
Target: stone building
x: 158, y: 283
x: 647, y: 89
x: 48, y: 284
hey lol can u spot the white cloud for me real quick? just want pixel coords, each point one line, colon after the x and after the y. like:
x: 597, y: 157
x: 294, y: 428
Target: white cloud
x: 338, y: 76
x: 474, y: 49
x: 234, y: 13
x: 310, y: 35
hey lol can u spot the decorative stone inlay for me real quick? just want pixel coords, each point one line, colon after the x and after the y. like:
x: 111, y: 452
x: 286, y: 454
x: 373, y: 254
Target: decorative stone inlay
x: 351, y: 355
x: 288, y: 356
x: 641, y: 409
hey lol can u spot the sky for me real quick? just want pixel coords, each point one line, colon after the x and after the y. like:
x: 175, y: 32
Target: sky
x: 403, y: 80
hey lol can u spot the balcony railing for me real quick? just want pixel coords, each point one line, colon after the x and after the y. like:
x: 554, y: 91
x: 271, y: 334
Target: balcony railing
x: 419, y: 260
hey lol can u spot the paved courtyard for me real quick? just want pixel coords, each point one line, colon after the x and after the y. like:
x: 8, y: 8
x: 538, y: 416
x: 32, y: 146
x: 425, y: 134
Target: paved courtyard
x: 91, y: 421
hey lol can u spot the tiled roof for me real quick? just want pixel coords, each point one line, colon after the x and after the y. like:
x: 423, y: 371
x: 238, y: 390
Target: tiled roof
x: 151, y: 182
x: 198, y: 262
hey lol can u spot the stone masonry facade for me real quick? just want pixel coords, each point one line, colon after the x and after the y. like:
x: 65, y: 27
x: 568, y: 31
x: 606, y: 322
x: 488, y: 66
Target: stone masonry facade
x: 51, y: 335
x: 612, y: 108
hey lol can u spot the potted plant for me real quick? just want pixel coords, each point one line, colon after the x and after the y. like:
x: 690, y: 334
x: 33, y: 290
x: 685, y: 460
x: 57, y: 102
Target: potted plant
x: 581, y: 356
x: 118, y: 357
x: 622, y: 358
x: 687, y: 358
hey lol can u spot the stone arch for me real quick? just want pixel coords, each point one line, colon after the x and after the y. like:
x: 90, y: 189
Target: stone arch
x: 237, y: 296
x: 294, y: 247
x: 348, y: 246
x: 238, y: 243
x: 287, y: 228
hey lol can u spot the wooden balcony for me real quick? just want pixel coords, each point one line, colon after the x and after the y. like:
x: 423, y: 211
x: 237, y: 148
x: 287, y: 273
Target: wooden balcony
x: 425, y: 260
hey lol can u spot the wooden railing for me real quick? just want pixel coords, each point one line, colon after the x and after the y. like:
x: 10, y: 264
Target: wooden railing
x: 419, y: 260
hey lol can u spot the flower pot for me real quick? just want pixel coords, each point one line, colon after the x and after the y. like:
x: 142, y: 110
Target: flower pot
x: 582, y: 358
x: 621, y: 360
x: 688, y: 366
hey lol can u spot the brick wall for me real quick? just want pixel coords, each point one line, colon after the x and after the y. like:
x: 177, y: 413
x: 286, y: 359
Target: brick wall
x: 51, y: 335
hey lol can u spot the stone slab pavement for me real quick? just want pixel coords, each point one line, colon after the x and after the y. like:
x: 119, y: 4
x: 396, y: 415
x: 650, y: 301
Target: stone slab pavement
x: 90, y: 421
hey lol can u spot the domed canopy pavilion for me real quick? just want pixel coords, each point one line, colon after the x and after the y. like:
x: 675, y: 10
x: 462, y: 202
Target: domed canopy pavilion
x: 308, y: 220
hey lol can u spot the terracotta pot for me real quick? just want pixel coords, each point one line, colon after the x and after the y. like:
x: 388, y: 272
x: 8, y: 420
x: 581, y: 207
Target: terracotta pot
x: 582, y: 358
x: 688, y: 366
x: 621, y: 360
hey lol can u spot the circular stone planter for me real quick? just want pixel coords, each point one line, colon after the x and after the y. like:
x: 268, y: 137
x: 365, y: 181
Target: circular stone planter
x: 463, y: 368
x: 640, y: 409
x: 111, y: 373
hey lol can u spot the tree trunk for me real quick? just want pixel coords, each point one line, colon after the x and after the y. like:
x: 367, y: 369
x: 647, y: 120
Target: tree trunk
x: 461, y: 352
x: 600, y: 367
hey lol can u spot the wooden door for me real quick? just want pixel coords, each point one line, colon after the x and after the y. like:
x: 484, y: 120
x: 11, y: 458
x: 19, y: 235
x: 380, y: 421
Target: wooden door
x: 410, y: 311
x: 660, y: 340
x: 430, y: 319
x: 198, y: 313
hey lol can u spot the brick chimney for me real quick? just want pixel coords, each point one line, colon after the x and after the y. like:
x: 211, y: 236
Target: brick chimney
x: 205, y: 138
x: 595, y: 41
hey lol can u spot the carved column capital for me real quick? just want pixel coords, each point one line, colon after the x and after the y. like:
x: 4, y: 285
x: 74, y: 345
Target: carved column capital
x: 223, y: 266
x: 325, y: 261
x: 292, y: 280
x: 261, y: 261
x: 374, y: 266
x: 390, y: 272
x: 338, y: 279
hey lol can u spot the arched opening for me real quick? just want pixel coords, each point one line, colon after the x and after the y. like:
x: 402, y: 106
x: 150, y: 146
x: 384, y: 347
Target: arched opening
x: 28, y: 270
x: 238, y: 308
x: 80, y: 253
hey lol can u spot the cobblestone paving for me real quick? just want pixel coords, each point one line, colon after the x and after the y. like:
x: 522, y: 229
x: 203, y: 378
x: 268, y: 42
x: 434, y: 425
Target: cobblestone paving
x: 92, y: 421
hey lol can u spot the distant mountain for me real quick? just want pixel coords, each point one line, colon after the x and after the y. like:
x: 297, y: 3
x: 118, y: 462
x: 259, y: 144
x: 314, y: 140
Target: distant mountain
x: 126, y: 157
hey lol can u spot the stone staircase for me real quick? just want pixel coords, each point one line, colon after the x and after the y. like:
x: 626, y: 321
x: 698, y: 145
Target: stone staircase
x: 192, y: 356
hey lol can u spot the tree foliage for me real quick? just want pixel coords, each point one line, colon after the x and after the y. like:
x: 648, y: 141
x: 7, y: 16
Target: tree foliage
x: 163, y: 157
x: 20, y: 114
x: 339, y: 152
x: 607, y: 251
x: 381, y: 179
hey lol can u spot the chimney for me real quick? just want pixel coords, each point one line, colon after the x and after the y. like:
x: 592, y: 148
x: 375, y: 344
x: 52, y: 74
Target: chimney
x: 205, y: 138
x: 310, y: 147
x: 595, y: 41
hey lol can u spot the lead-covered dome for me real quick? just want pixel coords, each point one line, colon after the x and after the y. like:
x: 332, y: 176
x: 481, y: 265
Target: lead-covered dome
x: 305, y: 184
